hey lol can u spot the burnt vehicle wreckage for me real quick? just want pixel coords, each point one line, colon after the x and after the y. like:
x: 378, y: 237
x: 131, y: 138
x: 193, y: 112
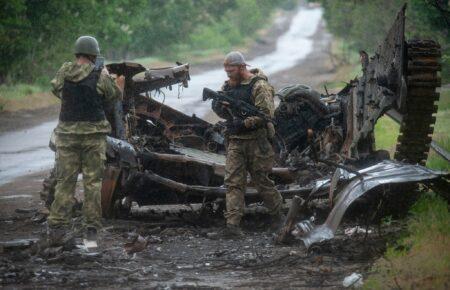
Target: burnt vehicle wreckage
x: 325, y: 144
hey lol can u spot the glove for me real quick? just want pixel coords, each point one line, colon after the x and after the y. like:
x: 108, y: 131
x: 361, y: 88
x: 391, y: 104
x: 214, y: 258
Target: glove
x: 218, y: 108
x: 251, y: 122
x: 236, y: 126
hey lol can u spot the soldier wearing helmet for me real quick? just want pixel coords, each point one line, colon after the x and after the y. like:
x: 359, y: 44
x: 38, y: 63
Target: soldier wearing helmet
x: 249, y: 149
x: 81, y: 135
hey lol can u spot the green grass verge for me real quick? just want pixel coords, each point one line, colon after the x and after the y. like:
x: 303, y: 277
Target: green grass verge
x: 421, y: 259
x: 386, y: 133
x: 18, y: 91
x: 19, y: 96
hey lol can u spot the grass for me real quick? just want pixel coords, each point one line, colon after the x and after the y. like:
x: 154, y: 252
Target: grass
x: 347, y: 68
x: 386, y: 133
x: 421, y: 259
x: 441, y: 131
x: 14, y: 92
x: 25, y: 97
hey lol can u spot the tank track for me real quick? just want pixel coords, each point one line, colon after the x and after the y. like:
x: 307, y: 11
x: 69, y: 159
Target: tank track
x: 422, y: 79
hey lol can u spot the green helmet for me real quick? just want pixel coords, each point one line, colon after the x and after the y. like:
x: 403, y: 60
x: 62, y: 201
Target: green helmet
x: 87, y: 45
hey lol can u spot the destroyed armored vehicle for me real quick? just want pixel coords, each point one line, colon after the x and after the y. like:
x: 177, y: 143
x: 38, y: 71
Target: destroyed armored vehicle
x: 158, y: 155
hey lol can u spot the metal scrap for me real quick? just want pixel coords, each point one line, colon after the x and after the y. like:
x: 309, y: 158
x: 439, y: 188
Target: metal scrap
x: 385, y: 172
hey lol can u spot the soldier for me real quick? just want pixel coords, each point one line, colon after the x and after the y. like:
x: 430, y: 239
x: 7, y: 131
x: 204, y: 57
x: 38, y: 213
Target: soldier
x: 249, y: 148
x: 81, y: 135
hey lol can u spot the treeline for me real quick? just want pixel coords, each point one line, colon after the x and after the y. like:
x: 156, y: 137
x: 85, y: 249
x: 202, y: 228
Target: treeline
x: 362, y: 24
x: 37, y: 35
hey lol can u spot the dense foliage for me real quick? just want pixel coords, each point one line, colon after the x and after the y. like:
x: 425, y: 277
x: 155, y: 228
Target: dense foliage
x: 37, y: 35
x: 364, y: 23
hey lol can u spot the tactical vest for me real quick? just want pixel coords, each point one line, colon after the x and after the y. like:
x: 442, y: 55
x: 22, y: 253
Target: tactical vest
x: 81, y: 101
x: 242, y: 92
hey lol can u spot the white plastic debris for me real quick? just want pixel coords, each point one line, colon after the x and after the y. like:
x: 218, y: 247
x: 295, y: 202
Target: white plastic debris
x: 356, y: 230
x: 303, y: 227
x: 89, y: 244
x: 354, y: 280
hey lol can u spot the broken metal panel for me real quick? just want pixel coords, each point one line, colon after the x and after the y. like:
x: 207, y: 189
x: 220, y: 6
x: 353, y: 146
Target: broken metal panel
x: 386, y: 172
x: 376, y: 90
x: 154, y: 79
x: 121, y: 150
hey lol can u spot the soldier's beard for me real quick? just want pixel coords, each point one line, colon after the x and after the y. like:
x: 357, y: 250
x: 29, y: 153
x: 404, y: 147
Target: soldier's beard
x: 235, y: 79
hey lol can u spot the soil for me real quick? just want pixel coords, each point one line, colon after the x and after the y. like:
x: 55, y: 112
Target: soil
x: 22, y: 119
x: 182, y: 256
x: 181, y: 252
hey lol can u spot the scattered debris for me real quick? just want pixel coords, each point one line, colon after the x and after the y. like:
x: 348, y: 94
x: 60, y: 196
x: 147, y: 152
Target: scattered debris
x: 354, y: 280
x: 17, y: 244
x: 25, y: 210
x: 138, y: 244
x: 89, y: 244
x: 386, y: 172
x: 302, y: 228
x: 356, y: 230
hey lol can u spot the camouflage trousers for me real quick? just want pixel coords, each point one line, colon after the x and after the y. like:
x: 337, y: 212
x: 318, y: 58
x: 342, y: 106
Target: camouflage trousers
x: 256, y: 157
x: 74, y: 154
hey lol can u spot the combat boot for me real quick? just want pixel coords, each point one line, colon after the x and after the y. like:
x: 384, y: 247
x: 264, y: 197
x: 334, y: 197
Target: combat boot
x: 231, y: 232
x: 60, y: 236
x: 91, y: 234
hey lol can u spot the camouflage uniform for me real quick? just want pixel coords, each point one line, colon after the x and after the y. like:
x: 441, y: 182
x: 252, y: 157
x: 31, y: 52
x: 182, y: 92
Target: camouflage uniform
x: 251, y: 151
x: 80, y: 147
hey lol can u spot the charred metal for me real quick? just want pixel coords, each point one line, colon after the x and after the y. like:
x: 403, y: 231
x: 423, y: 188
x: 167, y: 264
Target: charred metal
x: 325, y: 144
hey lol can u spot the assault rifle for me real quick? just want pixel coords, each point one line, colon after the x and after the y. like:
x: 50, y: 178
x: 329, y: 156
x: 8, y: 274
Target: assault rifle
x: 99, y: 63
x: 238, y: 108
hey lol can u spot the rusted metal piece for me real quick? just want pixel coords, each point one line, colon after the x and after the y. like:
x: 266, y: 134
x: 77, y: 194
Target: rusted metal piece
x: 378, y: 90
x: 291, y: 218
x: 151, y: 188
x: 109, y: 185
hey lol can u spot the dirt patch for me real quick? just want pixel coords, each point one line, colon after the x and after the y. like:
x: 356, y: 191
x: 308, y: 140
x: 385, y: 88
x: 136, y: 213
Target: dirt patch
x: 13, y: 121
x: 179, y: 254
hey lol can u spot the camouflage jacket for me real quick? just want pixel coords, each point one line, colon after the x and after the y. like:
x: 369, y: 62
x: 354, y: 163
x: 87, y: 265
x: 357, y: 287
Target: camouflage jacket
x: 105, y: 87
x: 262, y: 97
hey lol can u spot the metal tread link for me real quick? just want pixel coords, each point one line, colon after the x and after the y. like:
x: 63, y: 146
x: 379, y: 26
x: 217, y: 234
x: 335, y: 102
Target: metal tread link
x: 414, y: 141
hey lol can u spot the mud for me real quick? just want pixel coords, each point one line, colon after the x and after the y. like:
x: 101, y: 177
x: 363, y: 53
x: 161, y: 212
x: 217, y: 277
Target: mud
x: 180, y: 254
